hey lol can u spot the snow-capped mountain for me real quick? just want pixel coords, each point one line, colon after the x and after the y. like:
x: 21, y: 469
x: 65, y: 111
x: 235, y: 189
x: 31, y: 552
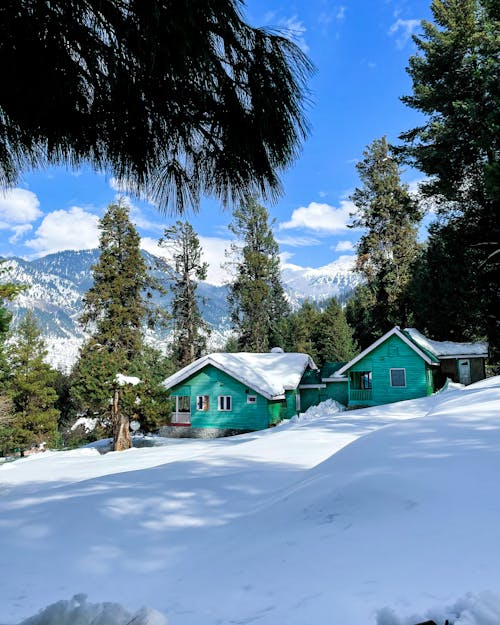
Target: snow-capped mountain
x: 57, y: 283
x: 335, y: 279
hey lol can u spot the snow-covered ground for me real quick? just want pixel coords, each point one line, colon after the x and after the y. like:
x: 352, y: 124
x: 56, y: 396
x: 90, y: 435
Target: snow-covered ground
x: 386, y: 515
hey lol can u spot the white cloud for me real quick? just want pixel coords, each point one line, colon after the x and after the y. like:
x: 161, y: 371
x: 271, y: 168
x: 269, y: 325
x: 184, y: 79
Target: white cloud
x: 321, y: 217
x: 285, y: 257
x: 336, y: 14
x: 340, y: 15
x: 297, y: 241
x: 344, y: 246
x: 137, y: 215
x: 404, y: 29
x: 19, y: 206
x: 295, y: 29
x: 19, y: 231
x: 214, y: 253
x: 73, y: 229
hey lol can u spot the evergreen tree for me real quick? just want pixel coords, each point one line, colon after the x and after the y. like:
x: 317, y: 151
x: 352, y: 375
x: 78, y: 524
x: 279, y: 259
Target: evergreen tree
x: 456, y: 84
x: 117, y: 306
x: 322, y: 333
x: 388, y: 247
x: 148, y: 402
x: 256, y: 297
x: 178, y: 98
x: 334, y: 336
x: 32, y: 388
x: 189, y: 329
x: 8, y: 291
x: 299, y: 330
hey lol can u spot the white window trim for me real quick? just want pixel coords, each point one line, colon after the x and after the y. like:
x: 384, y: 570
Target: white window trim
x: 202, y: 409
x: 219, y: 403
x: 390, y: 377
x: 253, y: 398
x: 177, y: 397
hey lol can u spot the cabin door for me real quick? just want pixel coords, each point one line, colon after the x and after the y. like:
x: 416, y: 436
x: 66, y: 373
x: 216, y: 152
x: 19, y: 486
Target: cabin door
x: 464, y: 371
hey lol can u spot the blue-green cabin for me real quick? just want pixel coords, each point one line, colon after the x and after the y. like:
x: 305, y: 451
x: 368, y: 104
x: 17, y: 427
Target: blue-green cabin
x: 403, y: 364
x: 231, y: 393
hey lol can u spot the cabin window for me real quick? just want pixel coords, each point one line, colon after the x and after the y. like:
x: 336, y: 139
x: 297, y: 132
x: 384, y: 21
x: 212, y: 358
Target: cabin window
x: 251, y: 399
x: 225, y: 403
x: 183, y: 403
x: 398, y: 377
x: 202, y: 402
x: 361, y: 380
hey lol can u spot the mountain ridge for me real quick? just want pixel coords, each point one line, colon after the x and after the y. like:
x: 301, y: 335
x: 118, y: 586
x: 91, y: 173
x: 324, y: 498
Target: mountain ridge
x: 58, y: 282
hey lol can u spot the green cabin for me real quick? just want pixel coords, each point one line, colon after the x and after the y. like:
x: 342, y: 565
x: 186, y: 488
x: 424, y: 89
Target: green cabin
x: 230, y: 393
x: 404, y: 364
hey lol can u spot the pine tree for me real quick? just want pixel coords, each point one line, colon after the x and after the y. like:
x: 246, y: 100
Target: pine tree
x: 117, y: 306
x: 334, y: 336
x: 322, y: 333
x: 178, y: 98
x: 32, y: 388
x: 8, y: 291
x: 256, y: 297
x: 388, y: 248
x: 187, y: 267
x: 456, y: 85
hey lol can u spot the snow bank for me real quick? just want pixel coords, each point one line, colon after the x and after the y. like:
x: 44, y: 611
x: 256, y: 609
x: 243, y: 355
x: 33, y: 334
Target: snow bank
x: 77, y: 611
x: 481, y: 609
x: 327, y: 408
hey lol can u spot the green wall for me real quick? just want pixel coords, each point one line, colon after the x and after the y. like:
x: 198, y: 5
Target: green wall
x: 214, y: 382
x: 393, y: 353
x: 314, y: 396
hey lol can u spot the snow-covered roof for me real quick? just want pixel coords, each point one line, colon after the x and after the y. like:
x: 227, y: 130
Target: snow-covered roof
x: 269, y: 374
x: 448, y: 349
x: 429, y: 358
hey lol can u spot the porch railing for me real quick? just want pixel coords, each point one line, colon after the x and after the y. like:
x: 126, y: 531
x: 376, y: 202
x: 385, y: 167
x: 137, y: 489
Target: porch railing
x: 360, y: 394
x: 180, y: 417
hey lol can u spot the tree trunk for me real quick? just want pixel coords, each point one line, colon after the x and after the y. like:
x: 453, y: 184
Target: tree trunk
x: 121, y: 430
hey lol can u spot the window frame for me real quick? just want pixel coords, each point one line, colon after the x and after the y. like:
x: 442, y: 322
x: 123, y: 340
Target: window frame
x: 403, y: 369
x: 204, y: 405
x: 222, y: 405
x: 253, y: 398
x: 181, y: 399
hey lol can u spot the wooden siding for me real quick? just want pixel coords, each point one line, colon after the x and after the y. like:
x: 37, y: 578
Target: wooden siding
x: 214, y: 382
x: 392, y: 354
x: 243, y: 416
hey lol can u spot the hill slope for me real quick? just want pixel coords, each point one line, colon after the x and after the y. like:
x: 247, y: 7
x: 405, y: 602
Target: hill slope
x: 334, y: 519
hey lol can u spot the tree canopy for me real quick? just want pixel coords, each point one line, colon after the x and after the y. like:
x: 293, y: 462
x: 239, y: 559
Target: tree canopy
x: 175, y: 98
x: 456, y: 85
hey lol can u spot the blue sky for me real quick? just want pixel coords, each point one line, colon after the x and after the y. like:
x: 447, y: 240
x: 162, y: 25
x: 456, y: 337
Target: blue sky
x: 360, y: 49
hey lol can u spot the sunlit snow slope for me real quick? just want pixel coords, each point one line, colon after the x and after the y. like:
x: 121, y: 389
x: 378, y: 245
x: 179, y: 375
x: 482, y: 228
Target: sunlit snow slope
x: 327, y: 519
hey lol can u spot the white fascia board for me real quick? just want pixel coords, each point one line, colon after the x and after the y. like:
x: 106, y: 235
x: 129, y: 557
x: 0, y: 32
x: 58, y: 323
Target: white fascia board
x: 465, y: 356
x: 312, y: 386
x: 341, y: 378
x: 378, y: 342
x: 186, y: 372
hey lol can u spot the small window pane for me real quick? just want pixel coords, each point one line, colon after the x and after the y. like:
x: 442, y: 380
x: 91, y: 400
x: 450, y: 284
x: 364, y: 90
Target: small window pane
x: 225, y: 402
x: 251, y: 399
x: 398, y: 377
x: 183, y: 403
x: 202, y: 402
x: 366, y: 380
